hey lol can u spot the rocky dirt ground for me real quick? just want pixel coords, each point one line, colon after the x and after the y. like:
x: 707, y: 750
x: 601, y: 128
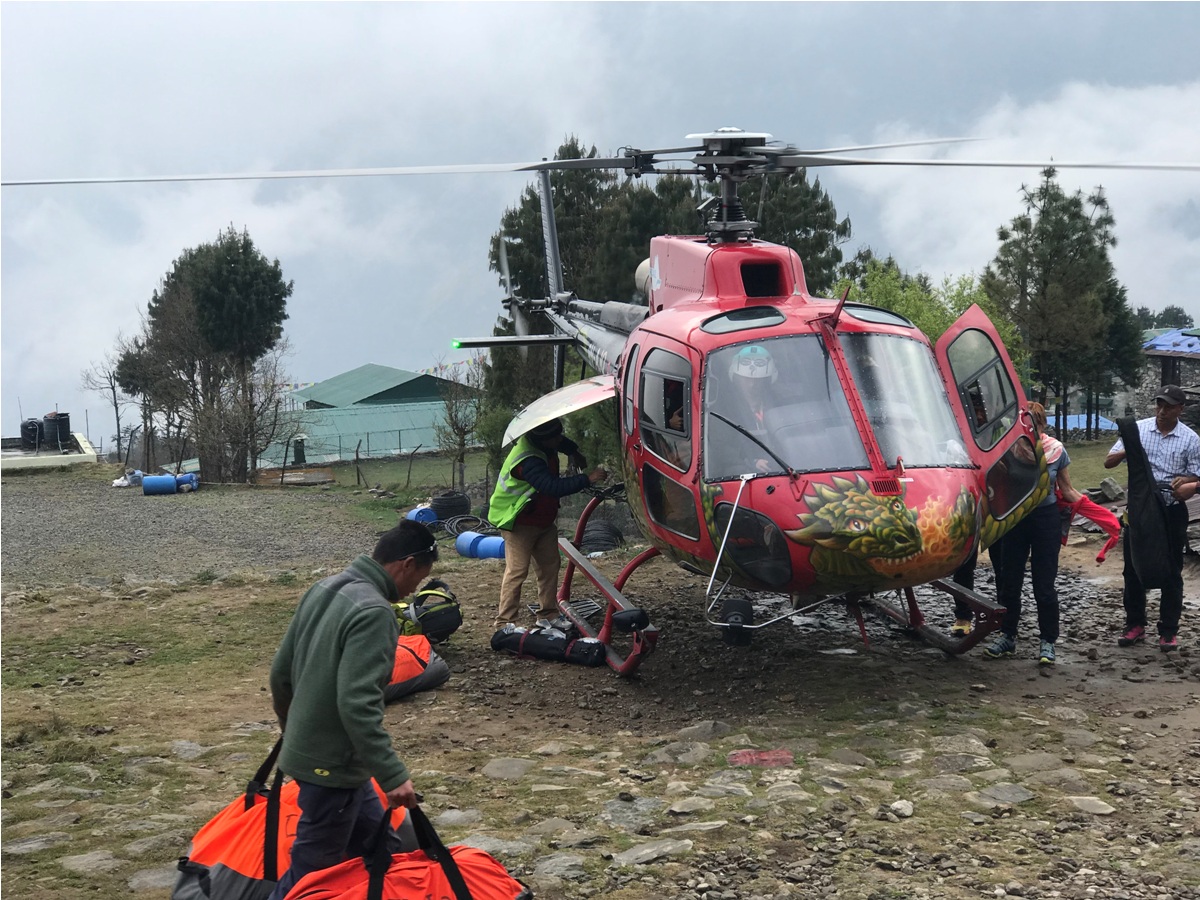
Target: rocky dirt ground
x: 803, y: 766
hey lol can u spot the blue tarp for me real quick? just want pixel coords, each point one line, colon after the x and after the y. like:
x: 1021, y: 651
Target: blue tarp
x: 1080, y: 422
x: 1174, y: 342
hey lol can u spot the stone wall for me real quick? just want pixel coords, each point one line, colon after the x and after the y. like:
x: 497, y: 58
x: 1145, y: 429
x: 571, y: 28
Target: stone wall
x: 1139, y: 401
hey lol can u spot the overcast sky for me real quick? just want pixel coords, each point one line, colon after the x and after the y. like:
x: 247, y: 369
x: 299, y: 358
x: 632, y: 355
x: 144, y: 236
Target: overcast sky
x: 389, y: 270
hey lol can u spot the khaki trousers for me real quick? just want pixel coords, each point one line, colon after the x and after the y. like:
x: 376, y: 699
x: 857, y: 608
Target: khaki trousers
x: 521, y: 545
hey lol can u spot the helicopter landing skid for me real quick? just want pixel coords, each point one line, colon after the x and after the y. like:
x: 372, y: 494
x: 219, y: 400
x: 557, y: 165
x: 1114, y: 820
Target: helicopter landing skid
x: 619, y: 616
x: 988, y: 617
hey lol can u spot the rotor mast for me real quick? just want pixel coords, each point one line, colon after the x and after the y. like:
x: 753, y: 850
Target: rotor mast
x: 728, y: 155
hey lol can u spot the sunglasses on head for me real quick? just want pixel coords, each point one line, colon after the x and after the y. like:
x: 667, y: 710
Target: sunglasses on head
x: 432, y: 548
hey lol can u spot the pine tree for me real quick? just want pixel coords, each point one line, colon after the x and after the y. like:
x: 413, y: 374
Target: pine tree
x: 1052, y: 276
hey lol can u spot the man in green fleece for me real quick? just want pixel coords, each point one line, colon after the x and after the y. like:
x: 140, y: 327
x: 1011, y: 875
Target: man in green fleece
x: 327, y: 683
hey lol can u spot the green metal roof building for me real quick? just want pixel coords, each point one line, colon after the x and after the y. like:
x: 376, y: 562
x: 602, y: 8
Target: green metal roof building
x: 371, y: 385
x: 330, y: 435
x: 374, y: 410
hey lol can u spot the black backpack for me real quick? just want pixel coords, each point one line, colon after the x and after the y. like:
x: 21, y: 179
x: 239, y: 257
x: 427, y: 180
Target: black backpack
x: 433, y: 612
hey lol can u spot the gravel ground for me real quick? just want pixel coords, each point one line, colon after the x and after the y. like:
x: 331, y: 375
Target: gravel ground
x: 913, y: 775
x: 59, y: 528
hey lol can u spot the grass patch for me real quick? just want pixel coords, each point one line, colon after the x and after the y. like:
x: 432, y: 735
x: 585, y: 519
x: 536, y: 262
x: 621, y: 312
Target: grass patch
x: 384, y: 513
x: 73, y: 751
x: 1087, y: 464
x: 33, y: 732
x: 429, y: 472
x: 159, y: 642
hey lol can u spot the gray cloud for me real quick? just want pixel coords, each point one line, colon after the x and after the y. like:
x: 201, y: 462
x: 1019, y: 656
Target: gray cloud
x: 389, y: 270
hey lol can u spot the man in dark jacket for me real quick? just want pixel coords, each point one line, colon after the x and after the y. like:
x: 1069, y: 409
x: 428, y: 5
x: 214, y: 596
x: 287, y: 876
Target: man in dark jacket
x: 1166, y: 476
x: 524, y: 507
x: 327, y: 684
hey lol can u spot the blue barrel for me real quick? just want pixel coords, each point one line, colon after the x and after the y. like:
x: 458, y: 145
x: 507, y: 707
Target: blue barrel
x: 491, y: 547
x: 158, y: 484
x: 423, y: 514
x: 465, y: 543
x: 479, y: 546
x: 188, y: 479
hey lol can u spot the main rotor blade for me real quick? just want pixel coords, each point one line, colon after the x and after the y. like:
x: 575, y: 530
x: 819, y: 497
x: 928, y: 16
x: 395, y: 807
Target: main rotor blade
x: 811, y: 161
x: 926, y: 143
x: 532, y: 340
x: 620, y: 162
x: 300, y: 173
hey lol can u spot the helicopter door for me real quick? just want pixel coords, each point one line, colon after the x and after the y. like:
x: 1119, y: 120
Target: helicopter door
x: 998, y: 435
x: 667, y: 430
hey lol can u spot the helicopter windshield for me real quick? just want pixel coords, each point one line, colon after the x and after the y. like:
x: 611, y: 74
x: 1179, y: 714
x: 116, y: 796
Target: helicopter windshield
x: 905, y: 400
x: 773, y: 403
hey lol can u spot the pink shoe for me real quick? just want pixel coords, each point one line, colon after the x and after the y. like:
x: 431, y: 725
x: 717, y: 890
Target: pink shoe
x: 1134, y: 635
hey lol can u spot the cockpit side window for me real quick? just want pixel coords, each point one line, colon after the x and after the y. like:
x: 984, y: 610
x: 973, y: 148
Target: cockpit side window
x: 985, y: 390
x: 627, y: 389
x: 665, y: 408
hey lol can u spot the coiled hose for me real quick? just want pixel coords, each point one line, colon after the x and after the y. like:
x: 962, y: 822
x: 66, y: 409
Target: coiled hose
x: 456, y: 525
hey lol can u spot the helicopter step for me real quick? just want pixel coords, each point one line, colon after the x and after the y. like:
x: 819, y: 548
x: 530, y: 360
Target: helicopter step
x: 988, y: 617
x: 619, y: 616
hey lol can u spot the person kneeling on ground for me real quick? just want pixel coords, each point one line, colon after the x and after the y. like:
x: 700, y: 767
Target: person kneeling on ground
x: 418, y: 668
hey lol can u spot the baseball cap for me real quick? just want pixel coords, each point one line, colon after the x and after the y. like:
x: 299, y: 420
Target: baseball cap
x: 1171, y: 394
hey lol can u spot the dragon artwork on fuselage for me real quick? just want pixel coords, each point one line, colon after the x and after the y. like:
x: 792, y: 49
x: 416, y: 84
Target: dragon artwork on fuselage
x: 856, y: 537
x: 859, y: 538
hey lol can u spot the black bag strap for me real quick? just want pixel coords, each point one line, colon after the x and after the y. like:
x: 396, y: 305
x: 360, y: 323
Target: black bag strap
x: 258, y: 782
x: 427, y: 840
x: 271, y: 830
x: 271, y: 826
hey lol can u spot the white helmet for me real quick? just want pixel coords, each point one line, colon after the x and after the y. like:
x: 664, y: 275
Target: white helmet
x: 753, y: 362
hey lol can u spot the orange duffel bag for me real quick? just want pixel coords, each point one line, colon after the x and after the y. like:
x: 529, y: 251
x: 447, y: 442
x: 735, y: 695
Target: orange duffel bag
x: 435, y: 870
x: 242, y: 851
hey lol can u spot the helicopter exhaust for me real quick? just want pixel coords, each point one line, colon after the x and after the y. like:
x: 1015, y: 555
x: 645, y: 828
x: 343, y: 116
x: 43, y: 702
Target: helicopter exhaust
x: 641, y: 278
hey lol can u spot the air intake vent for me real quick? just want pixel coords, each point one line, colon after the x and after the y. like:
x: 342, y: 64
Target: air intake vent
x: 762, y: 279
x: 885, y: 486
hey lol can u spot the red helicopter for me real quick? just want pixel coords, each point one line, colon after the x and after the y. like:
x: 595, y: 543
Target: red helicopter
x: 776, y: 441
x: 772, y: 440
